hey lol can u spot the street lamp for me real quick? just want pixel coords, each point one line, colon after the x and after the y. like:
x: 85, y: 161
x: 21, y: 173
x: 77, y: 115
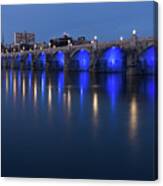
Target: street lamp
x: 134, y: 32
x: 35, y: 46
x: 95, y: 38
x: 121, y: 38
x: 69, y: 41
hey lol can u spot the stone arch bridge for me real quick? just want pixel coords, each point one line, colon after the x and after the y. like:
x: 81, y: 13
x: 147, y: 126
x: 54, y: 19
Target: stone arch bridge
x: 130, y: 56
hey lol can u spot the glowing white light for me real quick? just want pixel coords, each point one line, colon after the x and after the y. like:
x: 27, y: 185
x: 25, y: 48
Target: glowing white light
x: 113, y: 61
x: 121, y: 38
x: 35, y: 46
x: 134, y: 32
x: 69, y: 41
x: 95, y: 37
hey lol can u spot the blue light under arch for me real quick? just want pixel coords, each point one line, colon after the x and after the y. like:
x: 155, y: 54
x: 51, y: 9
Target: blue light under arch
x: 18, y: 58
x: 148, y: 60
x: 113, y: 59
x: 9, y: 59
x: 29, y: 59
x: 81, y: 59
x: 59, y: 58
x: 42, y: 58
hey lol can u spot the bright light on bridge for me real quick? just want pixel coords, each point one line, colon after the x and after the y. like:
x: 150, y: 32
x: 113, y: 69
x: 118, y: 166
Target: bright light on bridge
x: 121, y: 38
x: 134, y: 32
x: 95, y: 38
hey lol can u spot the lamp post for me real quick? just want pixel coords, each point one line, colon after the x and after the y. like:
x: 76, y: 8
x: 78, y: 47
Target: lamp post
x: 121, y: 38
x: 95, y: 42
x: 35, y: 46
x: 121, y: 41
x: 134, y: 32
x: 95, y: 38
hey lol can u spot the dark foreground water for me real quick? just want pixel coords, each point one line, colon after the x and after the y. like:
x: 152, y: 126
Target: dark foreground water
x: 78, y: 125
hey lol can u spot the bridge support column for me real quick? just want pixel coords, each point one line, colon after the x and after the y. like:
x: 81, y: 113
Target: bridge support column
x: 132, y: 67
x: 67, y: 60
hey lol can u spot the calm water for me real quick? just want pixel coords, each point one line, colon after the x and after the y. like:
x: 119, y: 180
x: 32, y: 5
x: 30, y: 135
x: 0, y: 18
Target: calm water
x: 77, y: 125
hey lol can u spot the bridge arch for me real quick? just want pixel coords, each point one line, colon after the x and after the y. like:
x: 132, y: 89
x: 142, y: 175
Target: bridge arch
x: 9, y: 59
x: 29, y: 59
x: 58, y: 60
x: 148, y: 60
x: 18, y: 58
x: 112, y: 60
x: 80, y: 59
x: 17, y: 62
x: 42, y: 59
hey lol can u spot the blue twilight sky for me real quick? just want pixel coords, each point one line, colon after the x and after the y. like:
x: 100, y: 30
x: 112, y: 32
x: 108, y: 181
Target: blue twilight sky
x: 108, y: 21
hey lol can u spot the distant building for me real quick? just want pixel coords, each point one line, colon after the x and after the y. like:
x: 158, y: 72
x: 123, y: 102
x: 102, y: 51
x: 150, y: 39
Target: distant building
x: 66, y: 39
x: 24, y: 38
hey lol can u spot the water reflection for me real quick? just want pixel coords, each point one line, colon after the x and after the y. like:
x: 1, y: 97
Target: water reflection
x: 10, y: 81
x: 133, y: 117
x: 114, y: 88
x: 7, y: 84
x: 69, y: 102
x: 81, y: 86
x: 79, y: 112
x: 23, y: 88
x: 50, y: 95
x: 35, y: 91
x: 29, y: 83
x: 14, y: 86
x: 95, y: 107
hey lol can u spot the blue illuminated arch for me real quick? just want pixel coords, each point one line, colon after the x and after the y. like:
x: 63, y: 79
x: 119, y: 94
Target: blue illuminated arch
x: 18, y: 58
x: 113, y: 59
x: 42, y: 58
x: 148, y: 60
x: 58, y: 60
x: 9, y: 59
x: 29, y: 59
x: 81, y: 59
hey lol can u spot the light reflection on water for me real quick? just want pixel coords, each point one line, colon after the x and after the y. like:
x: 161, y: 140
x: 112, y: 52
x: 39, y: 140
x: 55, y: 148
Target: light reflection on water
x: 73, y: 105
x: 133, y: 117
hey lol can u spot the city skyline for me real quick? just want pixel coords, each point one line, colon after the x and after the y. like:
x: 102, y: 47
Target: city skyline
x: 16, y: 18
